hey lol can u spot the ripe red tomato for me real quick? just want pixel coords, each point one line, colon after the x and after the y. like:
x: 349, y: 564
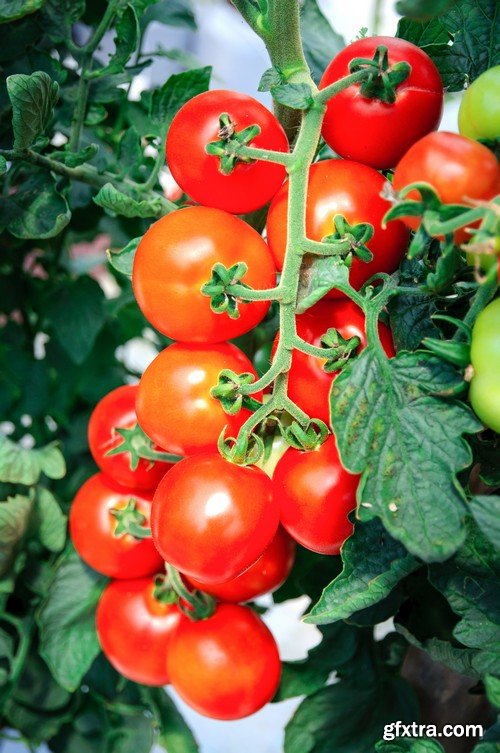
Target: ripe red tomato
x: 135, y: 630
x: 116, y: 410
x: 350, y: 189
x: 459, y: 169
x: 374, y: 132
x: 92, y: 528
x: 175, y: 258
x: 251, y: 184
x: 265, y: 575
x: 174, y: 405
x: 308, y: 384
x: 212, y: 519
x: 315, y: 494
x: 227, y: 666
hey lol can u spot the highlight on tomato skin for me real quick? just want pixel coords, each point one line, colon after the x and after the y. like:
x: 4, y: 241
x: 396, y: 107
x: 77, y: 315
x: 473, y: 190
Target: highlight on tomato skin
x: 267, y: 574
x: 135, y: 630
x: 116, y: 410
x: 92, y: 528
x: 227, y: 666
x: 250, y: 185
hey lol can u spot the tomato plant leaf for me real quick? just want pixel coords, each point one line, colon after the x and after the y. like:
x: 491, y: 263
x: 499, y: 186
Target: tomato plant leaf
x: 66, y: 619
x: 321, y: 42
x: 49, y: 520
x: 297, y: 96
x: 174, y: 734
x: 60, y: 15
x: 130, y: 734
x: 486, y: 511
x: 11, y: 10
x: 77, y: 314
x: 373, y: 564
x: 14, y: 518
x: 407, y: 745
x: 469, y: 582
x: 317, y: 278
x: 175, y: 92
x: 170, y: 13
x: 410, y: 316
x: 36, y: 209
x: 423, y: 511
x: 492, y: 687
x: 33, y: 98
x: 422, y: 9
x: 116, y: 202
x: 19, y: 465
x: 127, y: 33
x: 123, y: 260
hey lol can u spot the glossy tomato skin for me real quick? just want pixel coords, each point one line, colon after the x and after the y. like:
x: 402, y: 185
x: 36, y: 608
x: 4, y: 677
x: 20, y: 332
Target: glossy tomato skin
x: 479, y: 114
x: 485, y: 357
x: 250, y: 185
x: 212, y: 519
x: 116, y: 410
x: 227, y: 666
x: 265, y: 575
x: 174, y: 405
x: 315, y: 494
x: 92, y: 526
x: 308, y: 383
x: 350, y: 189
x: 373, y: 132
x: 458, y: 168
x: 175, y: 258
x: 135, y: 630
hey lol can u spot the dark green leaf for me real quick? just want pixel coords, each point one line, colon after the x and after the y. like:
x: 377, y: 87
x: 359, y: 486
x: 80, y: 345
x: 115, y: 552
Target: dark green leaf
x: 74, y: 159
x: 22, y: 466
x: 423, y: 511
x: 37, y: 209
x: 60, y: 15
x: 174, y: 93
x: 271, y: 77
x: 423, y: 34
x: 486, y: 511
x: 373, y: 565
x: 50, y: 521
x: 33, y: 99
x: 14, y: 518
x: 492, y: 687
x: 10, y: 10
x: 131, y: 734
x: 410, y: 318
x: 408, y: 745
x: 66, y: 619
x: 317, y: 277
x: 123, y: 260
x: 422, y: 9
x: 170, y: 13
x: 174, y: 734
x: 321, y: 42
x: 115, y: 201
x: 129, y: 150
x: 297, y: 96
x: 127, y: 34
x: 3, y: 165
x: 77, y: 315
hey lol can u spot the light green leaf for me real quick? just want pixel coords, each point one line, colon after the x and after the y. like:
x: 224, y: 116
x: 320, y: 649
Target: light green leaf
x: 50, y: 521
x: 21, y: 466
x: 123, y: 260
x: 492, y: 687
x: 317, y: 278
x: 174, y: 93
x: 3, y: 165
x: 391, y: 424
x: 33, y: 98
x: 297, y: 96
x: 14, y: 518
x: 10, y: 10
x: 321, y: 42
x: 373, y: 564
x: 66, y: 619
x: 77, y: 315
x: 119, y: 203
x: 486, y: 511
x: 37, y: 209
x: 174, y: 734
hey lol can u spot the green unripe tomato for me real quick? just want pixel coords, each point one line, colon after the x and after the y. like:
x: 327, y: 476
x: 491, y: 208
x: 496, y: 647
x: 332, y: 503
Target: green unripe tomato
x: 479, y: 114
x: 484, y: 392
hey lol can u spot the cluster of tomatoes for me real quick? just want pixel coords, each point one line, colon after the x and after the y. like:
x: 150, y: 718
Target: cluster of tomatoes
x: 230, y: 529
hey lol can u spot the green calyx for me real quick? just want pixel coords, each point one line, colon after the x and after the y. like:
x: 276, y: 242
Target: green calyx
x: 245, y: 449
x: 139, y: 445
x: 338, y: 350
x: 227, y: 391
x: 163, y: 591
x: 308, y: 437
x: 351, y: 238
x: 130, y: 521
x: 195, y: 604
x: 226, y: 147
x: 218, y: 288
x: 383, y: 79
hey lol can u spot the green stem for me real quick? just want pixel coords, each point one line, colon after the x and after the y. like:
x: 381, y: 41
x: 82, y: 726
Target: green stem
x: 330, y: 91
x: 251, y: 294
x: 485, y: 293
x: 153, y: 176
x: 265, y: 155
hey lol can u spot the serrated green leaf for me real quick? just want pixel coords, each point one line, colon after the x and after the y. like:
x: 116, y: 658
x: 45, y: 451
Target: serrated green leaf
x: 10, y: 10
x: 492, y: 687
x: 115, y: 201
x: 410, y: 317
x: 317, y: 278
x: 123, y: 260
x: 174, y: 734
x: 174, y: 93
x: 33, y: 98
x: 130, y: 152
x: 14, y: 518
x: 321, y: 42
x: 127, y: 34
x: 424, y: 33
x: 374, y: 563
x: 297, y: 96
x: 407, y: 745
x: 66, y: 620
x: 50, y: 521
x: 37, y: 209
x: 76, y: 314
x: 271, y: 77
x: 170, y: 13
x: 21, y: 466
x: 425, y: 511
x: 486, y: 511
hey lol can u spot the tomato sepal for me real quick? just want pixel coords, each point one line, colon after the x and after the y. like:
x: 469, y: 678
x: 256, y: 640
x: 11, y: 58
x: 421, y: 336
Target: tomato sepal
x: 308, y: 437
x: 383, y: 79
x: 130, y: 521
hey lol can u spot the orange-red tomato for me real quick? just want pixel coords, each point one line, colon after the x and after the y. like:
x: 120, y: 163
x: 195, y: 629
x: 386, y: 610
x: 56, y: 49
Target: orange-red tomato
x: 175, y: 258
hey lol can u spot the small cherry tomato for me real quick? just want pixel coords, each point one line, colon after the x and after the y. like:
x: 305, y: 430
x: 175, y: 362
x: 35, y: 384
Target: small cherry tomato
x: 315, y: 494
x: 135, y: 630
x: 352, y: 190
x: 251, y: 184
x: 174, y: 405
x: 211, y: 519
x: 227, y: 666
x: 265, y: 575
x: 95, y: 530
x: 115, y: 411
x: 308, y: 383
x: 485, y: 357
x: 479, y: 114
x: 369, y: 130
x: 175, y: 258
